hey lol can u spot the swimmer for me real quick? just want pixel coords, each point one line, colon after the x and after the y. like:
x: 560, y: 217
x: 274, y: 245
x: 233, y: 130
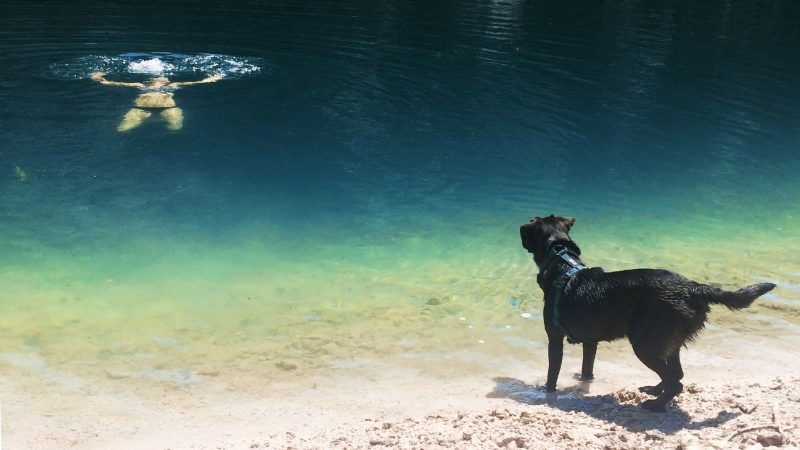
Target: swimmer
x: 157, y: 96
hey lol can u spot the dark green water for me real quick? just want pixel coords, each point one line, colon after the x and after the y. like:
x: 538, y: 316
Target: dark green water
x: 378, y: 168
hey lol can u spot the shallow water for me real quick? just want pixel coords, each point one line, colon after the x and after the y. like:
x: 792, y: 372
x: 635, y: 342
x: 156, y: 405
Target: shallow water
x: 359, y: 198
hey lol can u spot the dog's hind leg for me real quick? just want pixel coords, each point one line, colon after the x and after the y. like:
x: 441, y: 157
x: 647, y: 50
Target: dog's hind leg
x: 669, y: 370
x: 670, y: 384
x: 674, y: 363
x: 589, y: 352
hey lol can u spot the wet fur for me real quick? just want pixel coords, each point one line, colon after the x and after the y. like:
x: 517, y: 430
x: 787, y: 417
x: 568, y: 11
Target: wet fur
x: 657, y: 310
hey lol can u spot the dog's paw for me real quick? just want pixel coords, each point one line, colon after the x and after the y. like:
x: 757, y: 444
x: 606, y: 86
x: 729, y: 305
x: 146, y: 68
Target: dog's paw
x: 653, y: 390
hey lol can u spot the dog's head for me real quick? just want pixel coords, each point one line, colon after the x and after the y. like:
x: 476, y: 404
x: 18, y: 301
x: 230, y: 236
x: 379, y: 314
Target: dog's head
x: 542, y: 233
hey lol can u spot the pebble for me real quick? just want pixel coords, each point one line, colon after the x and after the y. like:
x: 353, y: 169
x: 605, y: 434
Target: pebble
x: 770, y: 439
x: 654, y: 435
x: 283, y: 365
x: 515, y: 442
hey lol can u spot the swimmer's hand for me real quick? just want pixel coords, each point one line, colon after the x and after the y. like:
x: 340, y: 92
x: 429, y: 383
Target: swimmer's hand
x: 213, y: 78
x: 97, y: 76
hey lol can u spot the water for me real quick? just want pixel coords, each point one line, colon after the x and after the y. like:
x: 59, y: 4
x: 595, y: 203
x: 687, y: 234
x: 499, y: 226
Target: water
x: 358, y: 196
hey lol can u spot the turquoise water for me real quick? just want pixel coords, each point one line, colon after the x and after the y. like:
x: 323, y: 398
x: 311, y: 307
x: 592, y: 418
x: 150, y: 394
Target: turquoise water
x: 360, y: 193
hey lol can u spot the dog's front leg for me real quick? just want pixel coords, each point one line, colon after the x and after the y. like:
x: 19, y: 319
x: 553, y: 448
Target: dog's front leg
x: 555, y: 353
x: 589, y: 352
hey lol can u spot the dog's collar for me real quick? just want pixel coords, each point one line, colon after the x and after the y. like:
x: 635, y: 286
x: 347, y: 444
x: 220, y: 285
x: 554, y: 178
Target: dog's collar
x: 571, y: 258
x: 565, y: 253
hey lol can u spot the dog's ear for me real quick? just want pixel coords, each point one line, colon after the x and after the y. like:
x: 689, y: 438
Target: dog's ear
x: 568, y: 221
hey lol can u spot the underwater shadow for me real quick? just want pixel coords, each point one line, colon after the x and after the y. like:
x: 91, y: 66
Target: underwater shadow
x: 605, y: 407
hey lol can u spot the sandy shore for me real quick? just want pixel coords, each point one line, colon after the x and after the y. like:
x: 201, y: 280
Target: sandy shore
x: 718, y: 416
x: 392, y: 407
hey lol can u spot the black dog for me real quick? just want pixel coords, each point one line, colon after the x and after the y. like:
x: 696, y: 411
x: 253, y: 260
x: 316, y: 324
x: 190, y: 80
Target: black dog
x: 658, y: 310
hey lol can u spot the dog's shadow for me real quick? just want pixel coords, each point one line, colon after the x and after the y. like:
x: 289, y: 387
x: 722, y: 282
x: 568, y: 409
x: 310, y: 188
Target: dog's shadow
x: 604, y: 407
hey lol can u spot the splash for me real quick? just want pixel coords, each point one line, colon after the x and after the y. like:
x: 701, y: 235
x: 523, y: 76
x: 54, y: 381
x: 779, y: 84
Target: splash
x: 160, y: 64
x: 153, y: 66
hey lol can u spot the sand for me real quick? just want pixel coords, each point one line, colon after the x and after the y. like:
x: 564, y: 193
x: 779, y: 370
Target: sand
x: 713, y: 416
x: 716, y: 416
x: 728, y: 404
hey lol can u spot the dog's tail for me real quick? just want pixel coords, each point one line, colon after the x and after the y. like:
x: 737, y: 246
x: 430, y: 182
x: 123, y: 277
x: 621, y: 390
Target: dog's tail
x: 733, y: 299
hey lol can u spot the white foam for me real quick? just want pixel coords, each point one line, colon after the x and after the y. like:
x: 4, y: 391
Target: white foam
x: 152, y: 66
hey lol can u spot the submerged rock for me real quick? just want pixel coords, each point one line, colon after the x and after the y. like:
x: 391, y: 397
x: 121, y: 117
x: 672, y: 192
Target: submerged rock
x: 116, y: 374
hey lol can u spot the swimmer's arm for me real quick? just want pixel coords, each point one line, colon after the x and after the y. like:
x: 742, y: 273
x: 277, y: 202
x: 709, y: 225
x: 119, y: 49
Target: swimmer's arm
x: 100, y: 78
x: 210, y: 79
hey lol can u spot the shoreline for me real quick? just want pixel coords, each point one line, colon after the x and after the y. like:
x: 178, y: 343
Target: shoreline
x: 726, y: 403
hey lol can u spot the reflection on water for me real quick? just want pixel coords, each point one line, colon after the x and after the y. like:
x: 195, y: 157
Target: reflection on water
x: 359, y: 198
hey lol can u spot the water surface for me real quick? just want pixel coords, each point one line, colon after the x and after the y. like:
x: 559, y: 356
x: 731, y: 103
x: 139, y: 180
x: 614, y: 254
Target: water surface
x: 360, y: 196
